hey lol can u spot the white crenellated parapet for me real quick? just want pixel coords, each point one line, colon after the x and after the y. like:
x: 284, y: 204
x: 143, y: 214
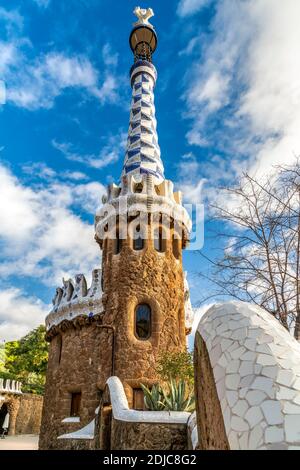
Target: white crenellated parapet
x: 256, y: 368
x: 138, y: 194
x: 10, y: 386
x: 75, y: 299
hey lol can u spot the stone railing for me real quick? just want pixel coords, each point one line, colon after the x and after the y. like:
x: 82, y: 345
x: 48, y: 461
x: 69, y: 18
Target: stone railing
x: 137, y: 430
x: 132, y: 429
x: 10, y: 386
x: 122, y: 412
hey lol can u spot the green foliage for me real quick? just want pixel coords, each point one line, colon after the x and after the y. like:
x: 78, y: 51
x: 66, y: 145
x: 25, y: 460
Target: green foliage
x: 2, y: 357
x: 175, y: 398
x: 153, y: 397
x: 178, y: 398
x: 176, y: 391
x: 176, y: 366
x: 26, y: 360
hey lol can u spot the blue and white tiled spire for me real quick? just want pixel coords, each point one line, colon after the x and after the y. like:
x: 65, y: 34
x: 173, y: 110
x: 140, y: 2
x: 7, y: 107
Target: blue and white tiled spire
x: 142, y: 151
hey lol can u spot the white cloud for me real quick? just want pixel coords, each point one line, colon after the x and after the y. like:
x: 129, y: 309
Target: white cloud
x: 90, y: 195
x: 18, y: 208
x: 19, y: 314
x: 247, y: 78
x: 189, y: 183
x: 11, y: 19
x: 110, y: 58
x: 189, y: 7
x: 192, y: 191
x: 42, y: 3
x: 108, y: 90
x: 8, y: 54
x: 198, y: 314
x: 39, y: 170
x: 75, y: 175
x: 68, y: 71
x: 40, y: 235
x: 34, y: 85
x: 34, y: 82
x: 110, y: 153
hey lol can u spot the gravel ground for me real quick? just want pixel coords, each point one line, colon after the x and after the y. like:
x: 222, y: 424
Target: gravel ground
x: 23, y: 442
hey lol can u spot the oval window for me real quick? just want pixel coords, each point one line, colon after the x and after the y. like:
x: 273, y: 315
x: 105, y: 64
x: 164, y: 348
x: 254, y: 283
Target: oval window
x: 143, y: 321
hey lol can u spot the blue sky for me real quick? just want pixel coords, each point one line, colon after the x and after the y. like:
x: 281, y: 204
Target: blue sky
x: 227, y: 100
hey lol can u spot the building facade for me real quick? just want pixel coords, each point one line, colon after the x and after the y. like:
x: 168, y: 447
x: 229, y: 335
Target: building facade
x: 137, y: 306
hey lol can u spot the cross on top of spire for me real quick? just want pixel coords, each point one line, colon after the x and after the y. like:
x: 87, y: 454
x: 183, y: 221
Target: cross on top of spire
x: 143, y: 15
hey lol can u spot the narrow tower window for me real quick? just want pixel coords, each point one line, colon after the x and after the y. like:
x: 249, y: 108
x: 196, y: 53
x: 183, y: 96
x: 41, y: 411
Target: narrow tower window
x: 75, y: 403
x: 176, y: 247
x: 143, y: 321
x: 59, y: 348
x: 159, y: 241
x: 138, y: 242
x: 118, y: 244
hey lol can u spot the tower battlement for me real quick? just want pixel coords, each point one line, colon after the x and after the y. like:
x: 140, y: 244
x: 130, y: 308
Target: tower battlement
x: 140, y: 194
x: 73, y: 300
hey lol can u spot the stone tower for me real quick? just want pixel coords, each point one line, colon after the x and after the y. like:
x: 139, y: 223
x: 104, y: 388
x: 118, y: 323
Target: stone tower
x: 142, y: 229
x: 137, y: 305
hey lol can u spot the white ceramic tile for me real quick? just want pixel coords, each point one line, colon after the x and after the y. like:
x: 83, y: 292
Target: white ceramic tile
x: 254, y: 416
x: 246, y: 368
x: 240, y: 408
x: 255, y: 397
x: 272, y: 411
x: 238, y: 424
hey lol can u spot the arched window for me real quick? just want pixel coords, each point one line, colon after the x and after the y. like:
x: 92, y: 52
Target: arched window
x: 138, y: 188
x: 143, y: 321
x: 159, y: 241
x: 138, y: 241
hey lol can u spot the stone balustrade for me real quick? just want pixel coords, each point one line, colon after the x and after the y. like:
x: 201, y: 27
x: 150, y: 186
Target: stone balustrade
x: 10, y: 386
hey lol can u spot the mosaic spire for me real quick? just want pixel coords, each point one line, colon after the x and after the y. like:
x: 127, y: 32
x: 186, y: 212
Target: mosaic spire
x: 142, y: 151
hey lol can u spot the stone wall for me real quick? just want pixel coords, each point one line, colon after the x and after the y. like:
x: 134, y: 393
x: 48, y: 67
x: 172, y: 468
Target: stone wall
x: 120, y: 428
x: 85, y: 358
x: 247, y: 367
x: 25, y: 413
x: 148, y: 436
x: 30, y: 414
x: 80, y: 355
